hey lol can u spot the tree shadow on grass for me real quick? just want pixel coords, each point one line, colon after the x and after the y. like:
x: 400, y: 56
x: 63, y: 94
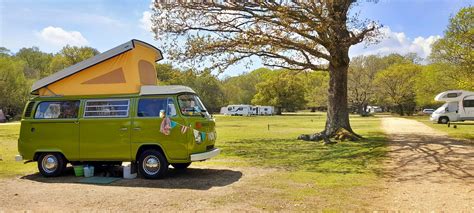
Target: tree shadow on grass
x: 192, y: 178
x: 293, y: 155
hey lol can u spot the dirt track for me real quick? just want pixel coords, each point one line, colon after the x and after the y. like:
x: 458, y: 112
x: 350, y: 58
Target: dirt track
x: 426, y: 170
x: 192, y: 190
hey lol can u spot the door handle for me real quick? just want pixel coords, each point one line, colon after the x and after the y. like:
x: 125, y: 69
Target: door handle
x: 137, y: 128
x: 123, y: 129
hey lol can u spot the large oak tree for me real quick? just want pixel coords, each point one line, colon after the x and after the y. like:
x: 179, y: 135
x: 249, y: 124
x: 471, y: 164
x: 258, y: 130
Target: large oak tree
x: 295, y: 35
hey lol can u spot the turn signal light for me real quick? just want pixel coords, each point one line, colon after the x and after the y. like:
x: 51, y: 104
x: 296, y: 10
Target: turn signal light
x: 198, y: 125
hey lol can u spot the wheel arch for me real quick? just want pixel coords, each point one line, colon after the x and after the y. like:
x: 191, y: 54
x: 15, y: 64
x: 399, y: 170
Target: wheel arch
x: 39, y: 152
x: 144, y: 147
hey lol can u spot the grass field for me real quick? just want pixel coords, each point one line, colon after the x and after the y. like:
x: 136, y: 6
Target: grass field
x: 463, y: 130
x: 297, y: 170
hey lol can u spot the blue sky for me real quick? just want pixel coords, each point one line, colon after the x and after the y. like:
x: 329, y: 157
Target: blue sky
x: 409, y: 25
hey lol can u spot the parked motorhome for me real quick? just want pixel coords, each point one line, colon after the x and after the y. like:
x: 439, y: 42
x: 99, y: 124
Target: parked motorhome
x: 374, y: 109
x: 242, y: 110
x: 107, y: 109
x: 262, y: 110
x: 459, y: 106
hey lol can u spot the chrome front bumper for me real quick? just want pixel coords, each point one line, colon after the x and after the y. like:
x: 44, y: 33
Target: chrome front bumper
x: 205, y: 155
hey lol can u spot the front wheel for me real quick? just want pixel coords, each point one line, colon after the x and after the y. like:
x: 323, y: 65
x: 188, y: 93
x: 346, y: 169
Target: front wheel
x: 51, y: 164
x: 444, y: 120
x: 181, y: 166
x: 152, y: 164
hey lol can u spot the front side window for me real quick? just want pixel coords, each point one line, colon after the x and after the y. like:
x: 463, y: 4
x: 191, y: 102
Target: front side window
x: 106, y: 108
x: 191, y: 105
x: 151, y: 107
x: 57, y: 110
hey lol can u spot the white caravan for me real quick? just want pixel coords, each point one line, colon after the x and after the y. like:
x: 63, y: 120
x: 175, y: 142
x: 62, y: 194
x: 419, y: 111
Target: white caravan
x: 373, y: 109
x: 459, y: 106
x: 262, y: 110
x: 239, y: 110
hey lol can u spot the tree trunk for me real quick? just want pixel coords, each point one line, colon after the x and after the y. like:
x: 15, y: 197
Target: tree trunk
x: 400, y: 110
x: 337, y: 121
x: 338, y: 113
x: 360, y: 109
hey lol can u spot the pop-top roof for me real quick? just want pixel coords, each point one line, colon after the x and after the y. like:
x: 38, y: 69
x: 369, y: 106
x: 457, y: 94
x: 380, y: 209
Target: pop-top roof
x: 165, y: 90
x: 91, y: 62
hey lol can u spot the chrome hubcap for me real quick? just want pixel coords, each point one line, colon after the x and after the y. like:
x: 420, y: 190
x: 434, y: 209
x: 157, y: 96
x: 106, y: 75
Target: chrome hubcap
x: 49, y: 163
x: 151, y: 165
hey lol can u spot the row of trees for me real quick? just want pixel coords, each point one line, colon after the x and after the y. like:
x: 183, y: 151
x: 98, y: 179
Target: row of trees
x: 18, y: 71
x: 396, y: 82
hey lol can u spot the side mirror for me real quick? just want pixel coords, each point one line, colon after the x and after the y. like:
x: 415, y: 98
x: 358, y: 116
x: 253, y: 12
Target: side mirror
x: 446, y: 109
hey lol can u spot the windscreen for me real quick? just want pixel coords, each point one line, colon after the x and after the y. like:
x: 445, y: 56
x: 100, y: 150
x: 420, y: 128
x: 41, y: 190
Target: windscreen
x: 441, y: 109
x: 191, y: 105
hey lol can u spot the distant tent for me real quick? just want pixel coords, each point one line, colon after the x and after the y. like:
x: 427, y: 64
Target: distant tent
x: 121, y: 70
x: 3, y: 119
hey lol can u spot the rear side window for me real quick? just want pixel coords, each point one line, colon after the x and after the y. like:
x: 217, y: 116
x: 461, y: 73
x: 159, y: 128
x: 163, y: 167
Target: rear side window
x: 151, y: 107
x: 468, y: 103
x: 107, y: 108
x: 57, y: 110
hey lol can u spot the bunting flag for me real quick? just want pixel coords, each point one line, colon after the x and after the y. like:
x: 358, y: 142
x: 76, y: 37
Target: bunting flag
x: 197, y: 136
x: 173, y: 124
x: 184, y: 129
x: 167, y: 125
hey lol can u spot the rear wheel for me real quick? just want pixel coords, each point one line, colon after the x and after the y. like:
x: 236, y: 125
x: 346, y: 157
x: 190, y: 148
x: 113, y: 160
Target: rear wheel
x: 444, y: 120
x: 152, y: 164
x: 181, y: 165
x: 51, y: 164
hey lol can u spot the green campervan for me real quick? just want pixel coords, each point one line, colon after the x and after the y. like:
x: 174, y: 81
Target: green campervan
x: 153, y: 127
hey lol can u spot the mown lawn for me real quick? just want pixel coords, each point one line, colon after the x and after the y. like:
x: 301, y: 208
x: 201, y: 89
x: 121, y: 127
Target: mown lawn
x: 463, y: 130
x: 344, y: 174
x: 8, y: 150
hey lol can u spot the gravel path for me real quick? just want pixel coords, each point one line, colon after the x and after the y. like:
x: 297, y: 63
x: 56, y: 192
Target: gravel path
x: 426, y: 170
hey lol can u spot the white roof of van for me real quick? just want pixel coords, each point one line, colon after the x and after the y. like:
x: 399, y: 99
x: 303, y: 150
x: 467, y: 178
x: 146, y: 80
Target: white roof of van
x: 165, y: 90
x: 91, y: 62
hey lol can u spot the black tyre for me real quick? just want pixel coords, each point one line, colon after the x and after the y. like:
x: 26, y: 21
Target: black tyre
x: 152, y: 164
x: 51, y: 164
x: 444, y: 120
x: 181, y: 166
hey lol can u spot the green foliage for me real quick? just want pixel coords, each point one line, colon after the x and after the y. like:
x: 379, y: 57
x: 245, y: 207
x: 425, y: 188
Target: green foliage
x: 456, y: 49
x: 37, y: 62
x: 241, y: 89
x: 205, y: 84
x: 74, y: 55
x: 396, y: 86
x: 363, y: 70
x: 14, y: 87
x: 4, y: 52
x: 283, y: 91
x: 69, y: 55
x: 430, y: 82
x: 316, y: 88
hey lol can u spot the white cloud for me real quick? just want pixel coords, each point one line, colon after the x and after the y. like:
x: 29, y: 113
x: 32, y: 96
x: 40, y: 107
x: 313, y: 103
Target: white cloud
x: 60, y: 37
x: 145, y: 21
x: 397, y: 42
